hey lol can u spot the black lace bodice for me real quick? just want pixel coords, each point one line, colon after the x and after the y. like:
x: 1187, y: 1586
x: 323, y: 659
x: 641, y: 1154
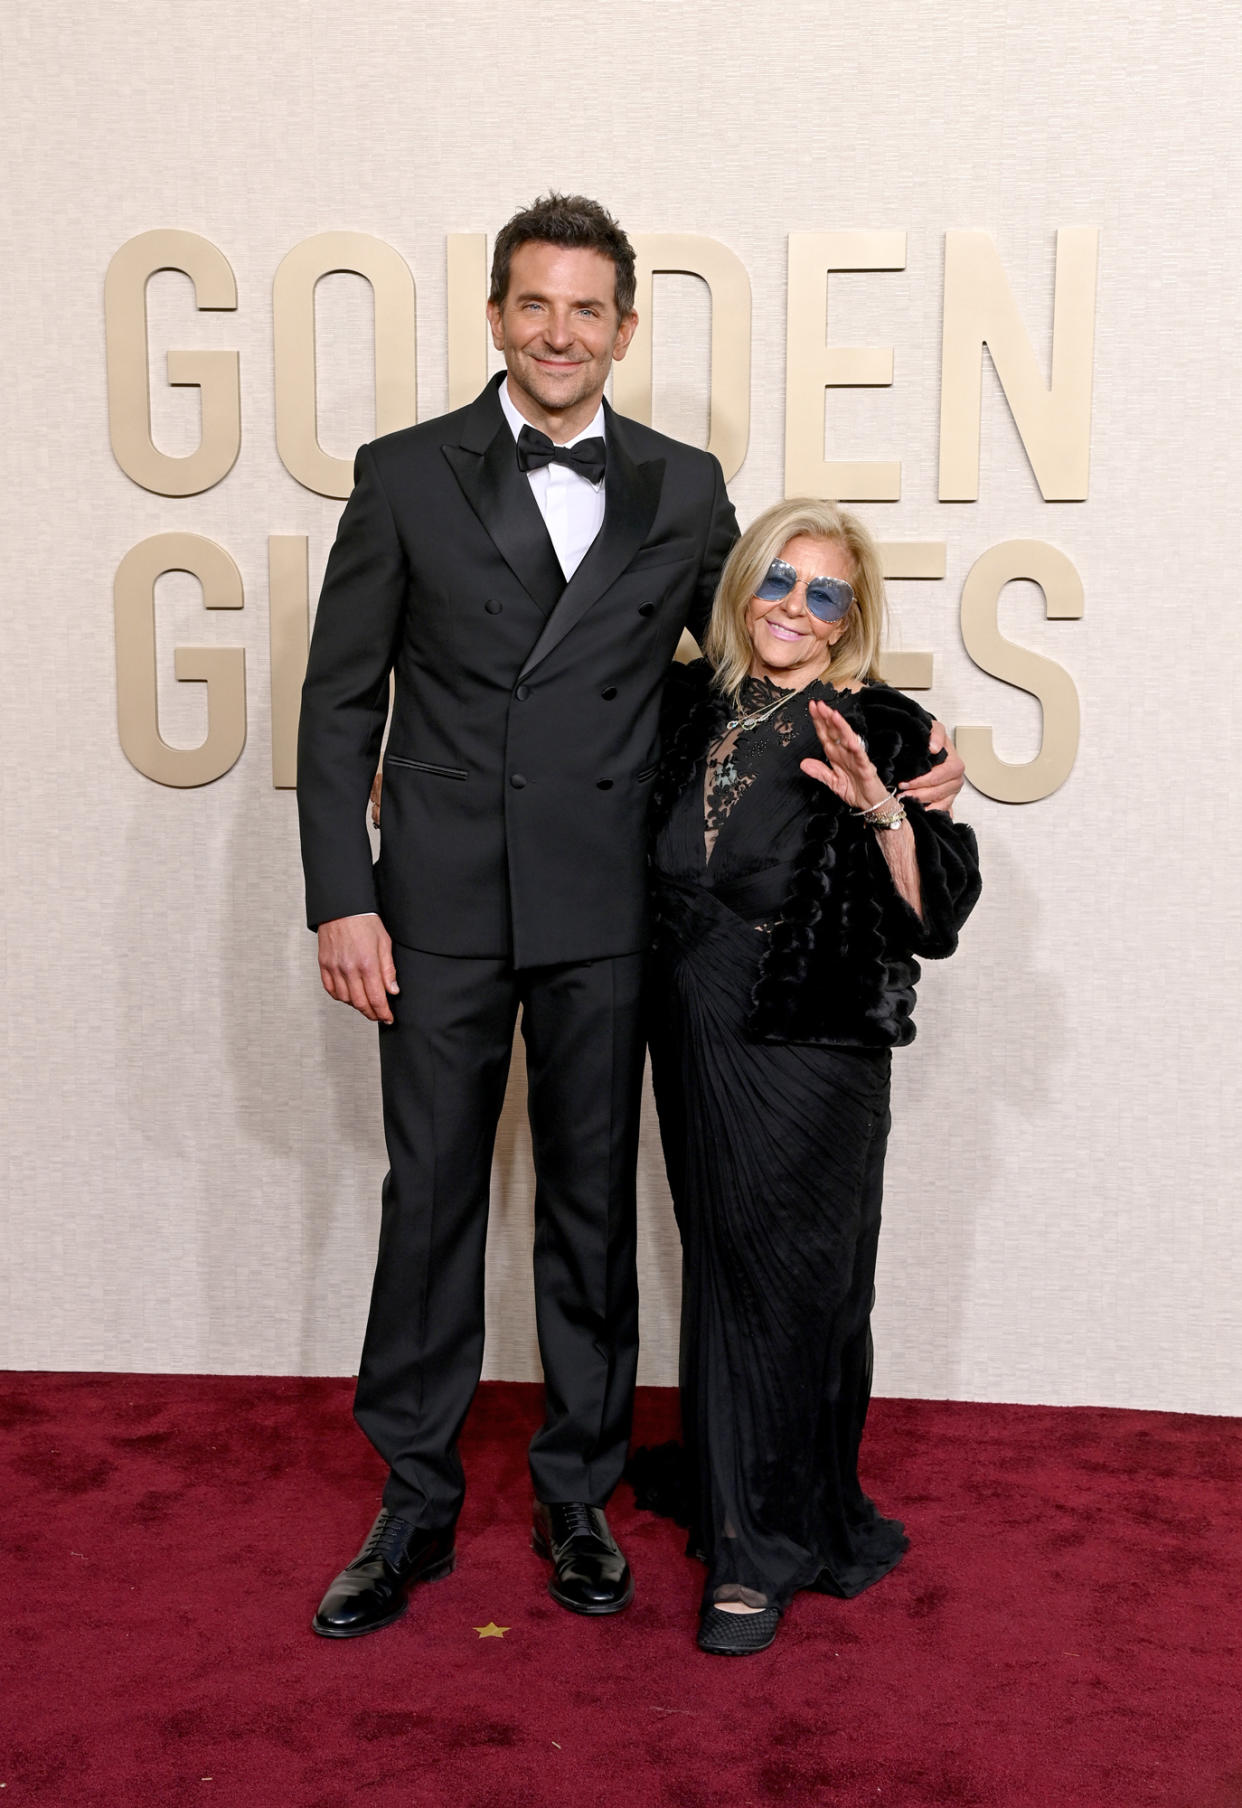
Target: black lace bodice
x: 739, y: 824
x: 737, y: 757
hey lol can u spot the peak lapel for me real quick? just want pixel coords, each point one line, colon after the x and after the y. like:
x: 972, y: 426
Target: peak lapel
x: 485, y: 465
x: 631, y: 497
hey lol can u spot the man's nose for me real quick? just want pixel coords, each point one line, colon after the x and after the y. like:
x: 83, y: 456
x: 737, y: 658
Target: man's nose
x: 558, y: 330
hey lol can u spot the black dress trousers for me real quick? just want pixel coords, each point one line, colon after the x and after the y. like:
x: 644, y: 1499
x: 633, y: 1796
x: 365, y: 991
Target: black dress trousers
x: 444, y: 1063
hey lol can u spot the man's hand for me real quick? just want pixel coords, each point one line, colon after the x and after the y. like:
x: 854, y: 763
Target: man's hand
x: 938, y: 789
x: 356, y: 966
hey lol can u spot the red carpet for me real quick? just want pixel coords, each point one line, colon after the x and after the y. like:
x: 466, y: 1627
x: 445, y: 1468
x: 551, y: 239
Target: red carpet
x: 1064, y: 1631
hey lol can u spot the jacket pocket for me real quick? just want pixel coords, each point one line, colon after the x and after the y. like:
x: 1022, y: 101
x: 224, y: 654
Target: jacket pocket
x: 395, y: 759
x: 685, y: 553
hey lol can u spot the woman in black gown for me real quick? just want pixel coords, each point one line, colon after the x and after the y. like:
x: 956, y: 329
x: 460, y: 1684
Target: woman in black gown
x: 792, y: 894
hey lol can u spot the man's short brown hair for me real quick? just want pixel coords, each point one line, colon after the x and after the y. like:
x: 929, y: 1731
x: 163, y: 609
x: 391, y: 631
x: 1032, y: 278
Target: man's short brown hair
x: 575, y: 222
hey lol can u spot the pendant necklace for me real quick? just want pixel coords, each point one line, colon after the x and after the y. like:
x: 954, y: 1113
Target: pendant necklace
x: 727, y: 773
x: 744, y: 723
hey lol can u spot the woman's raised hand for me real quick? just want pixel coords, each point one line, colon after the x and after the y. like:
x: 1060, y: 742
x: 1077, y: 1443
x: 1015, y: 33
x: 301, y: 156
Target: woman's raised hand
x: 846, y: 767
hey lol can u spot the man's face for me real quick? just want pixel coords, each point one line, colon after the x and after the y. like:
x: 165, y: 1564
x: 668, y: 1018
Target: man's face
x: 559, y: 329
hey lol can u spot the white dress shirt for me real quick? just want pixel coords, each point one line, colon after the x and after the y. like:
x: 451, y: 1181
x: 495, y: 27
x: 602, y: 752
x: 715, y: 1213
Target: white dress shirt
x: 571, y: 505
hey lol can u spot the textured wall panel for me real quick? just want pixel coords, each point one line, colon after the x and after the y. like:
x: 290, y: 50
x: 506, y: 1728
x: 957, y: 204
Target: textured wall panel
x: 192, y: 1143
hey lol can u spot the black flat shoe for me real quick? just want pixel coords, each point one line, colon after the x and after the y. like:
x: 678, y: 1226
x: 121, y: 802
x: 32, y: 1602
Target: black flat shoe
x: 590, y: 1575
x: 737, y: 1634
x: 373, y: 1590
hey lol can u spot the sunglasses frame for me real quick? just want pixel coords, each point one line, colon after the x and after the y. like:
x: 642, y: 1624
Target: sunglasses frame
x: 784, y: 570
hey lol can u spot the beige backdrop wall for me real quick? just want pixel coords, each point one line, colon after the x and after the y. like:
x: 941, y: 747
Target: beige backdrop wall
x: 193, y: 1140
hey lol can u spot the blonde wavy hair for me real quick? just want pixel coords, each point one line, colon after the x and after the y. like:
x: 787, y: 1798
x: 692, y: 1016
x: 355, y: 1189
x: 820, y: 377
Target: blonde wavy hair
x: 856, y: 653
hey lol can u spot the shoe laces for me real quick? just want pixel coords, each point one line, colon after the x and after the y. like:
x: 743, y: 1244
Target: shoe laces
x: 387, y: 1539
x: 575, y: 1520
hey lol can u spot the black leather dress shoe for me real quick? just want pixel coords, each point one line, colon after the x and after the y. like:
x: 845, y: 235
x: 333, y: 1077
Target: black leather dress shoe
x: 737, y: 1634
x: 589, y: 1573
x: 373, y: 1591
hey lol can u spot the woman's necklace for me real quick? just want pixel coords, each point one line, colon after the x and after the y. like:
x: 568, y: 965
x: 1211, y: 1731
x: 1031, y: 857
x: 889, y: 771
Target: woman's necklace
x: 726, y: 774
x: 745, y: 723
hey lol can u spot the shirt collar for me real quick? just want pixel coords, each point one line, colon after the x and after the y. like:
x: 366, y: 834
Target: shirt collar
x: 517, y: 420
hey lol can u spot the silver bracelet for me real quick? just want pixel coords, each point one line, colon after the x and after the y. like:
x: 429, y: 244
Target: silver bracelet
x: 887, y: 802
x: 892, y: 819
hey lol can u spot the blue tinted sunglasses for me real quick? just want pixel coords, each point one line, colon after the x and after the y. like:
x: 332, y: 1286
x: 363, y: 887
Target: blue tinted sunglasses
x: 827, y: 599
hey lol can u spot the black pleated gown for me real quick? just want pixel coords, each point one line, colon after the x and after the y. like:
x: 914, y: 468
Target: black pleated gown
x: 775, y: 1155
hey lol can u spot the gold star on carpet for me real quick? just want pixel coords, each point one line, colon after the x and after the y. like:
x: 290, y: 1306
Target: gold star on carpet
x: 491, y: 1630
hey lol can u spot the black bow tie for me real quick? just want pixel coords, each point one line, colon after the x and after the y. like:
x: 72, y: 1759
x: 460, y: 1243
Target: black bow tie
x: 535, y: 450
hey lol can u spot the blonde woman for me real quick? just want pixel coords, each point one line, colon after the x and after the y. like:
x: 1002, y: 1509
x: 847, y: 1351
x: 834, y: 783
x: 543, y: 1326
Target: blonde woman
x: 794, y: 886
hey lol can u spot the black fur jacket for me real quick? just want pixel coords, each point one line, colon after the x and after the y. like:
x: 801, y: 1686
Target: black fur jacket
x: 840, y: 966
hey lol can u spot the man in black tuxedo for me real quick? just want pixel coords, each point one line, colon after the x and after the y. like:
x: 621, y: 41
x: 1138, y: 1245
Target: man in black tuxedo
x: 525, y: 567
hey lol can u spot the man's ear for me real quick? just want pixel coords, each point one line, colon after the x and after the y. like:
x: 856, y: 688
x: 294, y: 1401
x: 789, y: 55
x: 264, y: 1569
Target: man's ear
x: 625, y: 332
x: 496, y: 323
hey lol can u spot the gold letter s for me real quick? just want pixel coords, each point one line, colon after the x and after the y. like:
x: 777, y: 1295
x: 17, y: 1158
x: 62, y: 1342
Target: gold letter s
x: 1019, y: 666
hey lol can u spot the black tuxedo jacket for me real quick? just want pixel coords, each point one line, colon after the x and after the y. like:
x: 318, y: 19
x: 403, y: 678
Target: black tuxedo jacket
x: 525, y: 713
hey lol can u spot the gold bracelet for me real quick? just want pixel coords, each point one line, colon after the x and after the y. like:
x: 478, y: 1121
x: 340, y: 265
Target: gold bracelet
x: 891, y: 818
